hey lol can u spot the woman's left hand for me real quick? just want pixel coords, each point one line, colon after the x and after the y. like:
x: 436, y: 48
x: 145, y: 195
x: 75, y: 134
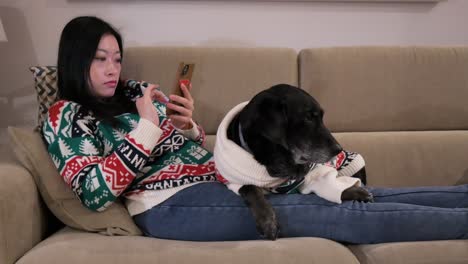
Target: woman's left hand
x: 182, y: 120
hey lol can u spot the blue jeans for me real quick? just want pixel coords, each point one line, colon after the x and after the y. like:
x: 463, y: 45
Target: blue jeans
x: 211, y: 212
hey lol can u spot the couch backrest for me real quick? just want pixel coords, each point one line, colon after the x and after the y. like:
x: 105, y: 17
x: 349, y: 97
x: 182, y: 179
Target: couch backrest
x: 388, y: 88
x: 404, y: 108
x: 223, y: 77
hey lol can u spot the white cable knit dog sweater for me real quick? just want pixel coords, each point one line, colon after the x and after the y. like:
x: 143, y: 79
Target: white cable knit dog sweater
x: 237, y: 167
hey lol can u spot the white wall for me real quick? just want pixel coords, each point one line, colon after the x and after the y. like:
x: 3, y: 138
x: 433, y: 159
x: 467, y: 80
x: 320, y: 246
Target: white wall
x: 33, y: 28
x: 290, y: 24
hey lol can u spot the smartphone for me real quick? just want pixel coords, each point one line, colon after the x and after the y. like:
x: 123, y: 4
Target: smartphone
x: 184, y: 76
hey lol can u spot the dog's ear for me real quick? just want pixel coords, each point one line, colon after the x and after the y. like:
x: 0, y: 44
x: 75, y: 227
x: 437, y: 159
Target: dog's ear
x: 267, y: 117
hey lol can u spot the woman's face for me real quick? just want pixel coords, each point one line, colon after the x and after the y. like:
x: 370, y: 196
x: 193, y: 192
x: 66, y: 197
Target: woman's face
x: 105, y: 67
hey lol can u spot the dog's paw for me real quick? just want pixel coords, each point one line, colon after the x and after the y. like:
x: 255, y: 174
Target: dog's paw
x: 267, y: 226
x: 356, y: 193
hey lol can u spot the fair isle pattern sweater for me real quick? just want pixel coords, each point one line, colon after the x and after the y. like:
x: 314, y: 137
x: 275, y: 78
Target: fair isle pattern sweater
x: 236, y: 167
x: 138, y: 160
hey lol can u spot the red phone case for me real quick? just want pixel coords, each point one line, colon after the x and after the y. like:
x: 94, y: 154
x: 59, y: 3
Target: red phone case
x: 184, y: 76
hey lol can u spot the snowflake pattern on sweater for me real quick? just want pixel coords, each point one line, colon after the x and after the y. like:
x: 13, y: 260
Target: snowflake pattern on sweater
x: 100, y: 162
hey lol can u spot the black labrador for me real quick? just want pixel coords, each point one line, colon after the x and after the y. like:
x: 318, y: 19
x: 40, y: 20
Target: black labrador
x: 283, y: 129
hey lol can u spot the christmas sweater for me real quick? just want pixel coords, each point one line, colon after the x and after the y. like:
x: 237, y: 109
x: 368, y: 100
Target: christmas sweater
x: 236, y: 167
x: 137, y: 160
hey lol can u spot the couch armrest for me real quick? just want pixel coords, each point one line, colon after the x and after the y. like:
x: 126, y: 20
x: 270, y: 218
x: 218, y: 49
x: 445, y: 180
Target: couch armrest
x: 23, y: 221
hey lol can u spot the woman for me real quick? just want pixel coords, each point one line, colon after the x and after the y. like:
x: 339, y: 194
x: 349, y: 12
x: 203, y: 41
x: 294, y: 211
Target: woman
x: 106, y: 145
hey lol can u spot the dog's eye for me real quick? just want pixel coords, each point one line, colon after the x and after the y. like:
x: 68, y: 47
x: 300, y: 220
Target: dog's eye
x: 310, y: 116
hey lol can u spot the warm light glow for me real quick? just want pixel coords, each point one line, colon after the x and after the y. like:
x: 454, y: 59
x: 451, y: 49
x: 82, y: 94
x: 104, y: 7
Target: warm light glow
x: 3, y: 36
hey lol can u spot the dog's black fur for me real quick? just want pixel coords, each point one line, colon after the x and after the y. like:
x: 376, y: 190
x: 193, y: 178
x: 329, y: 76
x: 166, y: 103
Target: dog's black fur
x: 283, y: 129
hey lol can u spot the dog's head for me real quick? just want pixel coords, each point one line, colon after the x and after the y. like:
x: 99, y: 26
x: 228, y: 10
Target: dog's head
x: 283, y: 127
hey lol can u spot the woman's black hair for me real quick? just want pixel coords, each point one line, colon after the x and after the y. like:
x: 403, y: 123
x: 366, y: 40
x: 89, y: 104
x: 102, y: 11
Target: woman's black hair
x: 77, y: 49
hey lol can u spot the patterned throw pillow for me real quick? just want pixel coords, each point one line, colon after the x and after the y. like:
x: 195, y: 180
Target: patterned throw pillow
x: 45, y: 83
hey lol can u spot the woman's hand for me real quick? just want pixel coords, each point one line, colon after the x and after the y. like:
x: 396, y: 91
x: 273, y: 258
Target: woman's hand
x: 182, y: 120
x: 145, y: 105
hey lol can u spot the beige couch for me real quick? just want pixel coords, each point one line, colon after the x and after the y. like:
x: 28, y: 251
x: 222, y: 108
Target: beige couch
x: 403, y: 108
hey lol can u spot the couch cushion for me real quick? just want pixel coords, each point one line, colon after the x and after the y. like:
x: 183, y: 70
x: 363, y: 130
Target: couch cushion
x: 430, y: 252
x: 71, y: 246
x: 32, y: 153
x: 223, y: 77
x: 411, y: 158
x: 210, y: 142
x: 388, y: 88
x: 22, y: 220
